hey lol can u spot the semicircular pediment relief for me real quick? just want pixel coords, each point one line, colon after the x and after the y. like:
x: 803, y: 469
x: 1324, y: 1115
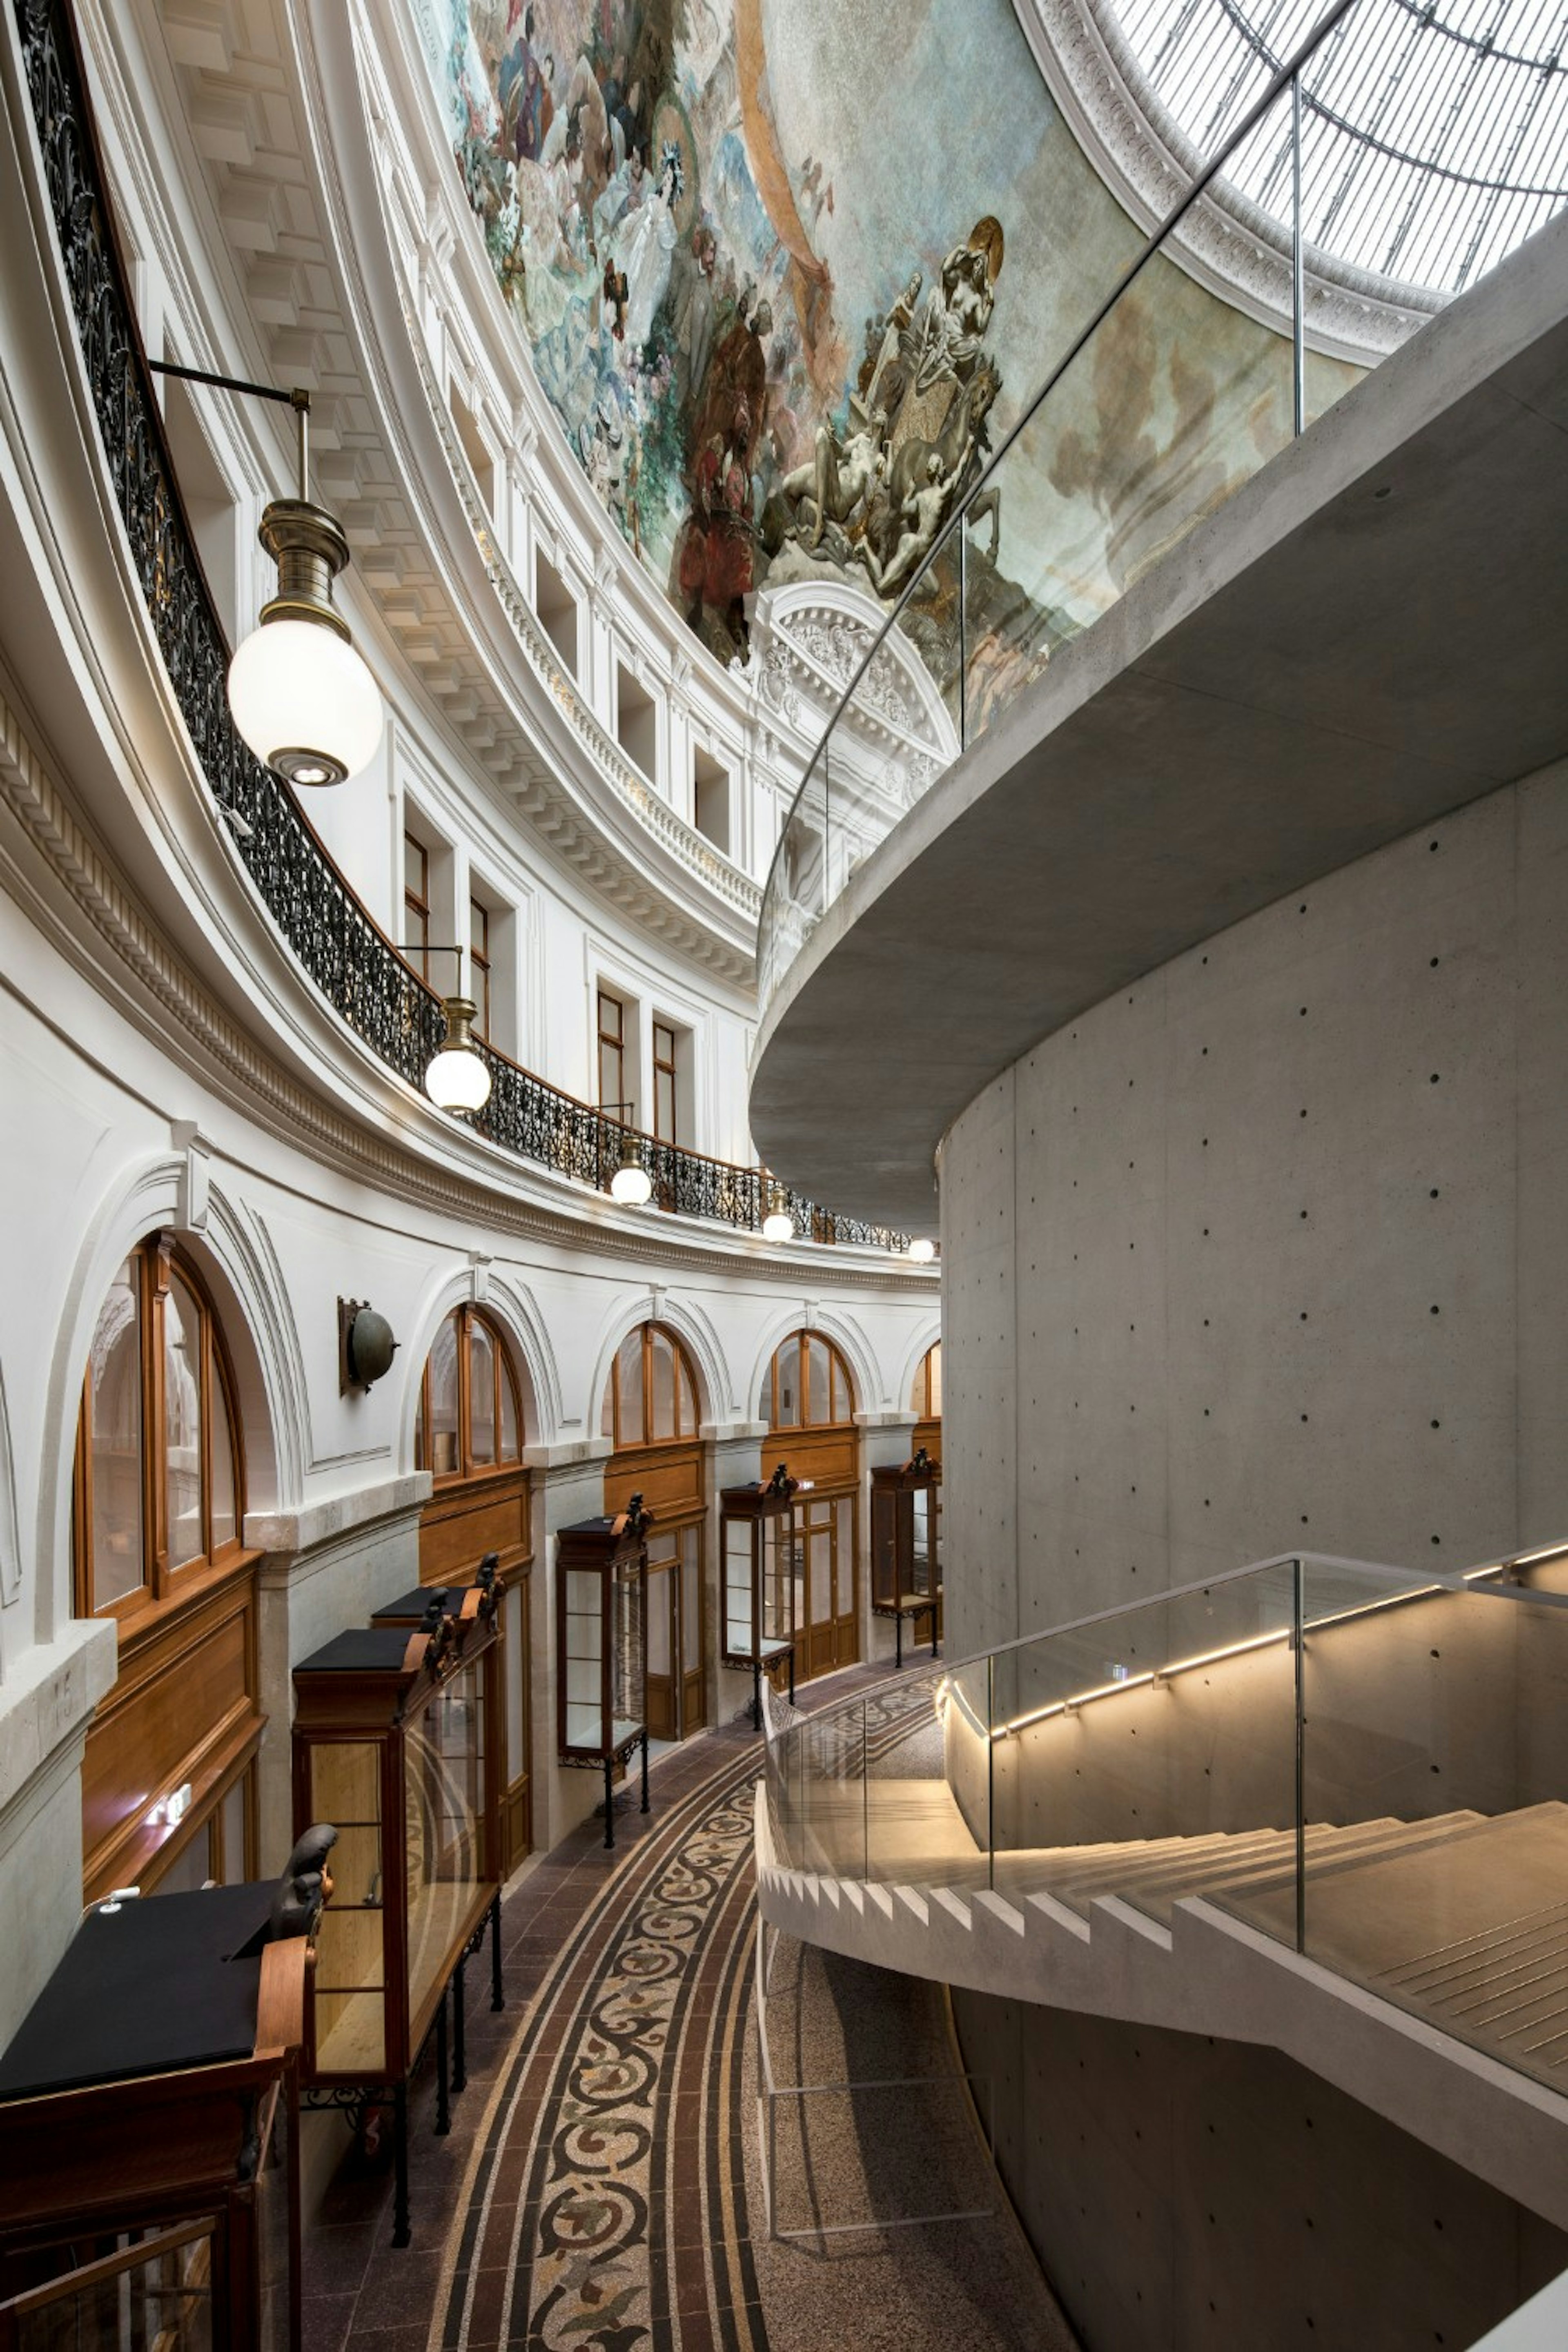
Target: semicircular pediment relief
x: 788, y: 271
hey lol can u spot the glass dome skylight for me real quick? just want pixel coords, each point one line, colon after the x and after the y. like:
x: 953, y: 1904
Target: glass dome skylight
x: 1434, y: 136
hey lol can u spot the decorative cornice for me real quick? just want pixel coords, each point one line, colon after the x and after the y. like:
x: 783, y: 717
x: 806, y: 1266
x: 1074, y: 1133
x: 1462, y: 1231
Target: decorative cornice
x: 1228, y: 243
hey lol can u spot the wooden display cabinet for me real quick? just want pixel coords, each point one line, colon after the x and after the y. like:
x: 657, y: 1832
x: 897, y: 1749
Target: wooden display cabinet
x: 148, y: 2133
x: 393, y: 1745
x: 601, y: 1635
x: 906, y: 1545
x: 759, y: 1547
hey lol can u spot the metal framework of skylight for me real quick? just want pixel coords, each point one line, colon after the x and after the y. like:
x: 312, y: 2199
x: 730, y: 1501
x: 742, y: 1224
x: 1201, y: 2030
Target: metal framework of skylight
x: 1435, y: 131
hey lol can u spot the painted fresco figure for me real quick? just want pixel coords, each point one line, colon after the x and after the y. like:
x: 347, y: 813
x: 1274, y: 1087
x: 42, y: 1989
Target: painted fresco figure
x: 919, y: 519
x: 737, y: 381
x: 731, y: 543
x: 840, y: 479
x: 900, y: 318
x: 692, y: 569
x: 693, y: 314
x: 641, y: 246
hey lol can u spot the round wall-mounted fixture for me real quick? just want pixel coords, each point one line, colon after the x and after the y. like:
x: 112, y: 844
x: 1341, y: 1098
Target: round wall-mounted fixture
x: 366, y: 1345
x: 459, y: 1077
x: 921, y: 1252
x: 301, y: 694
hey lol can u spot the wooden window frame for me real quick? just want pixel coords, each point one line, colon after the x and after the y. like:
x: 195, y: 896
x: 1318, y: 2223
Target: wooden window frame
x: 479, y: 965
x: 685, y: 1378
x: 155, y: 1260
x: 921, y: 1399
x: 838, y: 1376
x: 613, y: 1039
x: 666, y: 1083
x: 416, y: 906
x: 466, y: 1317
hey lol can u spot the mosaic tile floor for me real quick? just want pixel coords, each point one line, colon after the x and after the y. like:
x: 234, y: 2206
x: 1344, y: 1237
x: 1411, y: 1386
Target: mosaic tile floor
x: 600, y: 2189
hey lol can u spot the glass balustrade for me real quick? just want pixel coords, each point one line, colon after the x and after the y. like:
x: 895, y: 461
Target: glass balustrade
x: 1367, y: 1764
x: 1016, y: 525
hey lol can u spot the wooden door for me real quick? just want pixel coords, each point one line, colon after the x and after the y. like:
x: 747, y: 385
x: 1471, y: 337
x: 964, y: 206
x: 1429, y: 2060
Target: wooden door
x: 677, y: 1657
x: 827, y: 1631
x: 662, y: 1702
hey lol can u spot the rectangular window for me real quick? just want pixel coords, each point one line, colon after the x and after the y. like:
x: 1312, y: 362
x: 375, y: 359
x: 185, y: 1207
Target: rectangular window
x: 665, y: 1117
x: 416, y: 905
x: 480, y: 966
x: 612, y: 1048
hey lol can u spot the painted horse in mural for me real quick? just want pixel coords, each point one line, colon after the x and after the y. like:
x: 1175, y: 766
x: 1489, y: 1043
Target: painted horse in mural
x: 917, y: 465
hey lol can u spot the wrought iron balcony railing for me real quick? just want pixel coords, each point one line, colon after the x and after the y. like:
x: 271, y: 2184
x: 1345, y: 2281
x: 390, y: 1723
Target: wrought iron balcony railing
x: 335, y: 940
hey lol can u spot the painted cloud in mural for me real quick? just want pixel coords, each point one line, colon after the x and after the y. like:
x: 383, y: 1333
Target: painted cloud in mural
x: 788, y: 268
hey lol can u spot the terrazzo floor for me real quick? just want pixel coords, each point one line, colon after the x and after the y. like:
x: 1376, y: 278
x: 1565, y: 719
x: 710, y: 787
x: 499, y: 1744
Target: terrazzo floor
x: 601, y: 2187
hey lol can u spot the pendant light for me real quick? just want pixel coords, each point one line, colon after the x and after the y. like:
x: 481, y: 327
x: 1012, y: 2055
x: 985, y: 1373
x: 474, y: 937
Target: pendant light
x: 778, y: 1225
x: 459, y: 1077
x: 298, y: 693
x: 631, y: 1184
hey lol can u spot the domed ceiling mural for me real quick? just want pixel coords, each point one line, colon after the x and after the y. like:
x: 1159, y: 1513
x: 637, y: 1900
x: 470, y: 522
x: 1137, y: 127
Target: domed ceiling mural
x: 789, y: 268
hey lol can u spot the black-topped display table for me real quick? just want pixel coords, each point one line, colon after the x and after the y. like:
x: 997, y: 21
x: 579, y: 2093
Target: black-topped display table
x: 758, y: 1546
x: 906, y: 1548
x: 390, y: 1745
x: 148, y: 2132
x: 601, y: 1637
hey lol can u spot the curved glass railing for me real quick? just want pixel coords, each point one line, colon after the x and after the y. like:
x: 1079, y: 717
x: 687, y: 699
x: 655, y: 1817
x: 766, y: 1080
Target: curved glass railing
x: 1359, y: 1761
x: 1162, y: 404
x: 356, y: 967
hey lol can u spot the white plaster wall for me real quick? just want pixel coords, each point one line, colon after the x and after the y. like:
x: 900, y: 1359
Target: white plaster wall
x: 97, y: 1122
x: 1268, y: 1250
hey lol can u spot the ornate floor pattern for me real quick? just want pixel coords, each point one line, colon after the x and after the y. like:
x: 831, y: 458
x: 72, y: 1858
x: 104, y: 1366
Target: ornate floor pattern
x: 600, y: 2190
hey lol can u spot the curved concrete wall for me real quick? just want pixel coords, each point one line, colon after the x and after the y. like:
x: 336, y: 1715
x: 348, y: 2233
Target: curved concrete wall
x: 1266, y: 1249
x: 1269, y: 1248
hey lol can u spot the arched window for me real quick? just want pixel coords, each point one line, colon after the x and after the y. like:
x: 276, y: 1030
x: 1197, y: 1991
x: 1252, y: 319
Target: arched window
x: 650, y: 1397
x: 469, y: 1417
x: 807, y: 1385
x: 925, y: 1398
x: 807, y: 1400
x: 169, y: 1773
x: 469, y: 1430
x: 160, y: 1475
x: 650, y: 1403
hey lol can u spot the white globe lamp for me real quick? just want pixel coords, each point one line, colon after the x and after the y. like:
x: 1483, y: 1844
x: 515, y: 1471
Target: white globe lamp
x: 921, y: 1252
x: 631, y: 1183
x: 458, y: 1078
x: 300, y: 694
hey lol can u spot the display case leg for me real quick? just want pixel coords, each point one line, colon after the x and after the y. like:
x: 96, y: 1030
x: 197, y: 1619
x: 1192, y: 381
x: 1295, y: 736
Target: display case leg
x: 792, y: 1675
x: 757, y: 1695
x: 459, y: 2026
x: 400, y: 2164
x: 498, y: 1999
x: 933, y: 1633
x: 609, y: 1805
x: 898, y: 1638
x: 443, y: 2112
x: 645, y: 1771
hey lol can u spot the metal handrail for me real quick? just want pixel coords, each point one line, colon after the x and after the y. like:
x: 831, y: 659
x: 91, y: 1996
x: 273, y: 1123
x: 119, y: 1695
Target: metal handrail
x: 1414, y: 1583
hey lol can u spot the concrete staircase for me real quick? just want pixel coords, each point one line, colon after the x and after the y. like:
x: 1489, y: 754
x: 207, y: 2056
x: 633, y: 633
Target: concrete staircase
x: 1435, y: 1986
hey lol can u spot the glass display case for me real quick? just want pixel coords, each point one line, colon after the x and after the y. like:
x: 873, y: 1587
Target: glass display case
x: 906, y: 1547
x: 600, y: 1631
x: 148, y: 2133
x: 392, y: 1745
x: 759, y: 1545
